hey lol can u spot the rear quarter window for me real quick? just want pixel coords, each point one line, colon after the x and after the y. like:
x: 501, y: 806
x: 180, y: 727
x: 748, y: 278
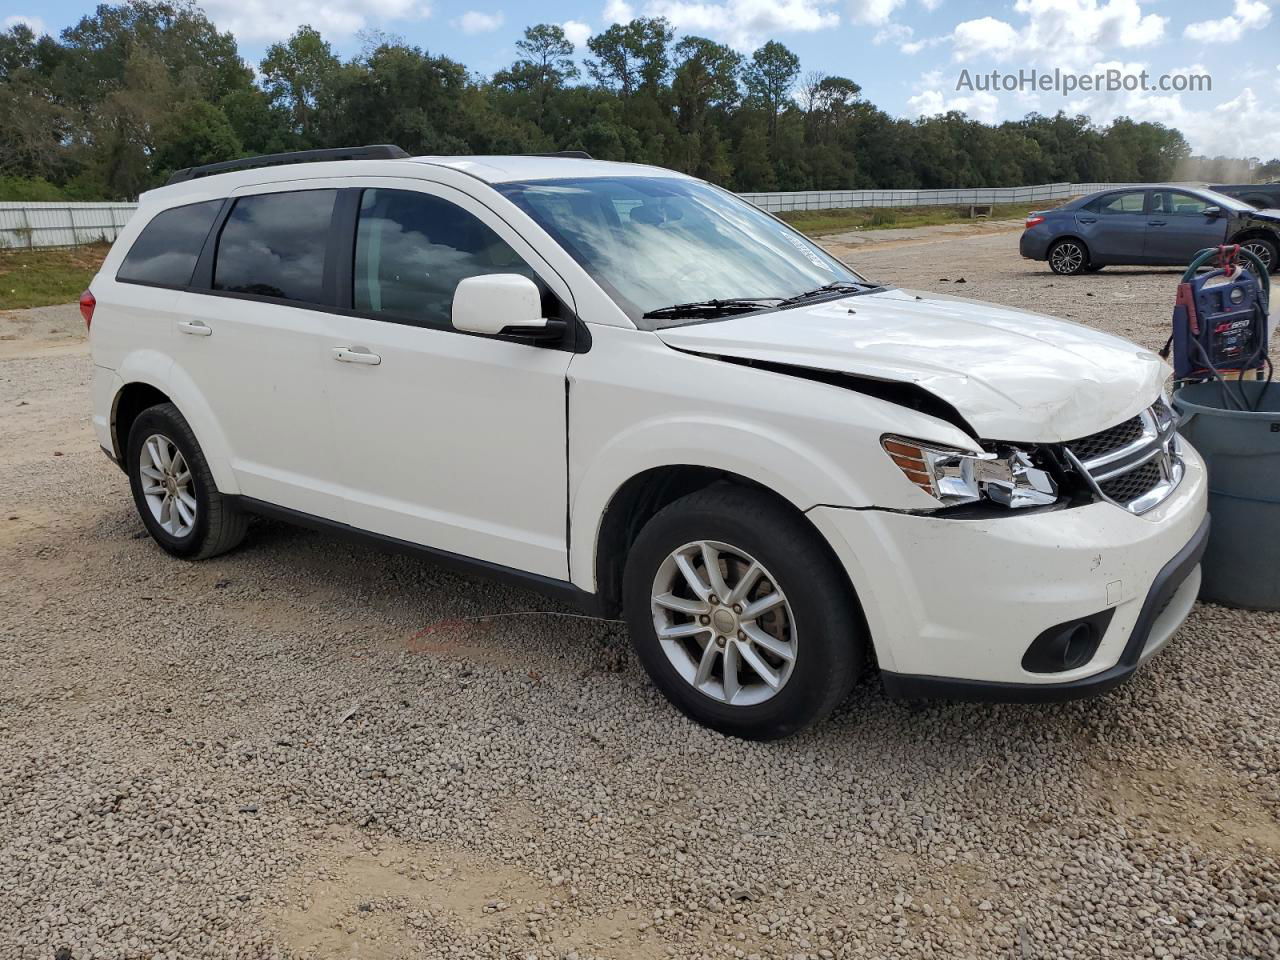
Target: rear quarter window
x: 166, y: 251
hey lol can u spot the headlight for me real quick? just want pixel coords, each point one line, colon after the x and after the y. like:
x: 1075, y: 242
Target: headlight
x: 954, y: 477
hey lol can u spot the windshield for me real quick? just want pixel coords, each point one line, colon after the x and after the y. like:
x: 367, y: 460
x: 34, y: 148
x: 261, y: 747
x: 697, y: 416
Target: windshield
x: 653, y: 242
x: 1227, y: 203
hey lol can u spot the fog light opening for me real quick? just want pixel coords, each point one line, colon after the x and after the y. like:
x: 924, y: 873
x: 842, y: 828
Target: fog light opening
x: 1066, y: 646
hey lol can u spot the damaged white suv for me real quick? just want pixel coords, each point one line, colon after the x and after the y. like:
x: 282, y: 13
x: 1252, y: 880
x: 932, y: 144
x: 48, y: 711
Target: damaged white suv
x: 630, y: 389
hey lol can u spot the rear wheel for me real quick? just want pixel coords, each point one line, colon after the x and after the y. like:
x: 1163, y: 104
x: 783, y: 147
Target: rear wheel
x: 1264, y: 250
x: 174, y: 491
x: 1068, y: 257
x: 741, y: 615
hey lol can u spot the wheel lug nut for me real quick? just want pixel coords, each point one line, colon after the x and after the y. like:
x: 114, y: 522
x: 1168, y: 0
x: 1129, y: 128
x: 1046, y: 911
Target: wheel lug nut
x: 720, y: 641
x: 713, y: 598
x: 737, y: 608
x: 704, y: 620
x: 742, y: 636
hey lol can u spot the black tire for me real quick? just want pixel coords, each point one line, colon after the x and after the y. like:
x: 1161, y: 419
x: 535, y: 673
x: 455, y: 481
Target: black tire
x: 218, y: 526
x: 1069, y: 257
x: 830, y: 643
x: 1265, y: 249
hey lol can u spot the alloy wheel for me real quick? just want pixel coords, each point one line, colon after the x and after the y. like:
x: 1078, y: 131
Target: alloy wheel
x: 1261, y: 251
x: 167, y: 485
x: 1067, y: 257
x: 724, y: 623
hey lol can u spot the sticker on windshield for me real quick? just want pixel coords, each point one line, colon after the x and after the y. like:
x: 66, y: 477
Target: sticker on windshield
x: 804, y: 248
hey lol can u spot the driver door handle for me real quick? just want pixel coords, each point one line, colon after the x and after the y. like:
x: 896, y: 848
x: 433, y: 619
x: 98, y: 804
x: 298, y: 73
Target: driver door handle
x: 356, y: 355
x: 1156, y: 223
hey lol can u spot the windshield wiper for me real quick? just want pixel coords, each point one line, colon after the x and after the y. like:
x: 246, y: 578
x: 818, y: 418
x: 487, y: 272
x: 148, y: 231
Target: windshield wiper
x: 828, y: 288
x: 712, y: 308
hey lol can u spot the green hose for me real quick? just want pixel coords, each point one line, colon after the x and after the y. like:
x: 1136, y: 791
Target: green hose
x: 1204, y: 256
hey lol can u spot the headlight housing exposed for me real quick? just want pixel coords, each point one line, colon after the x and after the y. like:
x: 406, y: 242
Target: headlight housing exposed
x: 953, y: 477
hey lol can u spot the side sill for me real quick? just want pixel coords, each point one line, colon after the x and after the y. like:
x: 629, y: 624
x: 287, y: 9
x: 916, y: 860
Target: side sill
x: 562, y: 590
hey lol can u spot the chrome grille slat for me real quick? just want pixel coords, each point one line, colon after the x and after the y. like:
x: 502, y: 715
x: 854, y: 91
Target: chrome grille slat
x: 1135, y: 464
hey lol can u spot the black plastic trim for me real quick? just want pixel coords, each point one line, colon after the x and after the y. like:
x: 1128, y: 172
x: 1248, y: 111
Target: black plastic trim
x: 378, y: 151
x: 912, y: 686
x: 561, y: 590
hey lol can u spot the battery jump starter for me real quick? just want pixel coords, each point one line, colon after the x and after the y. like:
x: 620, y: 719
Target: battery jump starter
x: 1220, y: 322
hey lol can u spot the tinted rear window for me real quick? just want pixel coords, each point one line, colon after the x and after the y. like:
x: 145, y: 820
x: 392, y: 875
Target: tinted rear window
x: 166, y: 251
x: 273, y: 245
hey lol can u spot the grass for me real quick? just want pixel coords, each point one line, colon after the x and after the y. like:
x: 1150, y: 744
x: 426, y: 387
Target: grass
x: 38, y: 278
x: 818, y: 222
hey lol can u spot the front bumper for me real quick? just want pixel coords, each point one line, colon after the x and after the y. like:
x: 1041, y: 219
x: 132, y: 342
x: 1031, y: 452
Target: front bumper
x: 952, y: 604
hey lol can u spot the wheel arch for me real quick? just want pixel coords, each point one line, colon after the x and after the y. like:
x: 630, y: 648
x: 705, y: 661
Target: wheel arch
x: 638, y: 499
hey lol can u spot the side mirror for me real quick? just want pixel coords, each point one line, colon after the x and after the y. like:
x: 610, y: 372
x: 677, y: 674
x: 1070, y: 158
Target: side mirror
x: 502, y: 302
x: 1213, y: 212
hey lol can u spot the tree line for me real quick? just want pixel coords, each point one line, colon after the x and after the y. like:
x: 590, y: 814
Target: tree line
x: 136, y: 90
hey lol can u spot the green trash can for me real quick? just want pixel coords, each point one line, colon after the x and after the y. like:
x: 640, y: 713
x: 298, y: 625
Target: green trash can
x: 1241, y: 567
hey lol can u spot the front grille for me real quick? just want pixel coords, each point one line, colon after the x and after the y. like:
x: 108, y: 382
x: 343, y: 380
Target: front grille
x: 1130, y: 486
x: 1134, y: 464
x: 1107, y: 441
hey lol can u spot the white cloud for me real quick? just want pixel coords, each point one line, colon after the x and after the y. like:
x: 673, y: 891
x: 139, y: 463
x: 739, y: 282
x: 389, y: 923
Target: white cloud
x: 743, y: 24
x: 474, y: 21
x: 577, y: 32
x: 873, y: 12
x: 931, y: 5
x: 618, y: 11
x: 893, y: 33
x: 1249, y: 15
x: 1065, y: 33
x: 277, y: 19
x: 980, y: 106
x: 35, y: 23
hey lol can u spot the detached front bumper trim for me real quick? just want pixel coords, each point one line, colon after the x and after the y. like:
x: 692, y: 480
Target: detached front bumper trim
x: 1152, y: 630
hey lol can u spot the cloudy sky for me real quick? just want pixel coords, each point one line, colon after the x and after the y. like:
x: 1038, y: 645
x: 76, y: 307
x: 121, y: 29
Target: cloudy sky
x: 907, y: 54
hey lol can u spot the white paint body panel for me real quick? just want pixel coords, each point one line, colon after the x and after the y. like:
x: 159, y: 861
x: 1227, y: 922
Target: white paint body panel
x: 511, y: 454
x: 1013, y: 375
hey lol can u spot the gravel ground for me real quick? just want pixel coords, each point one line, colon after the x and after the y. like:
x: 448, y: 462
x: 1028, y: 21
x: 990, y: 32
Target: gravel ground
x: 304, y: 749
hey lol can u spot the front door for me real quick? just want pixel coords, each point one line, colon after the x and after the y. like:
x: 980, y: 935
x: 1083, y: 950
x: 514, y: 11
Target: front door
x: 447, y: 439
x: 1178, y: 229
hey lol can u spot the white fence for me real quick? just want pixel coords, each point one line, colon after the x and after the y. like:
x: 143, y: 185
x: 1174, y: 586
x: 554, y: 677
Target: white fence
x: 69, y: 224
x: 838, y: 199
x: 61, y: 224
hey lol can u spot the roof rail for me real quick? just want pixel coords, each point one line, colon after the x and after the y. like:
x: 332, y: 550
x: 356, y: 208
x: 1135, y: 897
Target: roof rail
x: 568, y: 154
x: 380, y: 151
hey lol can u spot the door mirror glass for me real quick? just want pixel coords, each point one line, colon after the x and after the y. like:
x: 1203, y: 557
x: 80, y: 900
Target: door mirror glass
x: 494, y: 302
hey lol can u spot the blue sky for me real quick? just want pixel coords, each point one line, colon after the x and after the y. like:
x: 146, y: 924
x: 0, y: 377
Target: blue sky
x: 906, y: 54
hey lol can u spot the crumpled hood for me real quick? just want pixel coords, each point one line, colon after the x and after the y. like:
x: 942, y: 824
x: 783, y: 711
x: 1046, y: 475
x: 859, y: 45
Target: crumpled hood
x: 1013, y: 375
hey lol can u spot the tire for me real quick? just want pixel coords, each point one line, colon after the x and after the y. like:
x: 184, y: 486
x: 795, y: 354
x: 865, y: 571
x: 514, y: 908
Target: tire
x: 214, y: 526
x: 1068, y: 258
x: 1094, y: 267
x: 818, y: 622
x: 1265, y: 249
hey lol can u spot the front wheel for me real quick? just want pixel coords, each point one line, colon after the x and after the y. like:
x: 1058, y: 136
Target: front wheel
x: 1068, y: 257
x: 741, y: 615
x: 1264, y: 250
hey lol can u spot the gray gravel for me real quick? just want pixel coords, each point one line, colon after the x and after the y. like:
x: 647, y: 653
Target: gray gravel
x: 304, y: 749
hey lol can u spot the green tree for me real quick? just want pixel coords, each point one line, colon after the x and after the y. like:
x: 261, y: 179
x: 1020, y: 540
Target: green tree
x: 770, y: 77
x: 546, y: 67
x: 632, y: 56
x: 194, y: 132
x: 296, y: 74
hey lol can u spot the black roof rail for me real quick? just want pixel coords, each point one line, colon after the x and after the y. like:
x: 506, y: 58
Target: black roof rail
x: 568, y: 154
x: 379, y: 151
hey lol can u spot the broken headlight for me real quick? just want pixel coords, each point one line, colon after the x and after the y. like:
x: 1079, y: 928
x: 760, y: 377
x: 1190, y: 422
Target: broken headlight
x: 953, y: 477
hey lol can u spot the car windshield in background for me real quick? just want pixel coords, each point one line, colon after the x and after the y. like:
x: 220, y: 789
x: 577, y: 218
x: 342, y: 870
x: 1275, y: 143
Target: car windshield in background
x: 1225, y: 202
x: 680, y: 250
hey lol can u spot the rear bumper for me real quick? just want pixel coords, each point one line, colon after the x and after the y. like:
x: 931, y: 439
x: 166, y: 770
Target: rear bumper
x: 1034, y: 245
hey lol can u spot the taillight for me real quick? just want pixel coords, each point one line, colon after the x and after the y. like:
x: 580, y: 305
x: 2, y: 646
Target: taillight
x: 1032, y: 221
x: 87, y: 303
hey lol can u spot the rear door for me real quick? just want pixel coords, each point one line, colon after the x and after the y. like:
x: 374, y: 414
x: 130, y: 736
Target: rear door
x: 1177, y: 228
x: 449, y: 439
x: 255, y: 339
x: 1115, y: 226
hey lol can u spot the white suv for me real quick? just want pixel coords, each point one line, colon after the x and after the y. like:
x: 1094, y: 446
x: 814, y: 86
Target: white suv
x: 630, y: 389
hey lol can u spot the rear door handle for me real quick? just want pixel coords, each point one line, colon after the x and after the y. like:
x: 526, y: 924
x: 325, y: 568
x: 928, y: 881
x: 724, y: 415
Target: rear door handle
x: 1156, y: 223
x: 197, y: 328
x: 1088, y: 219
x: 356, y: 355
